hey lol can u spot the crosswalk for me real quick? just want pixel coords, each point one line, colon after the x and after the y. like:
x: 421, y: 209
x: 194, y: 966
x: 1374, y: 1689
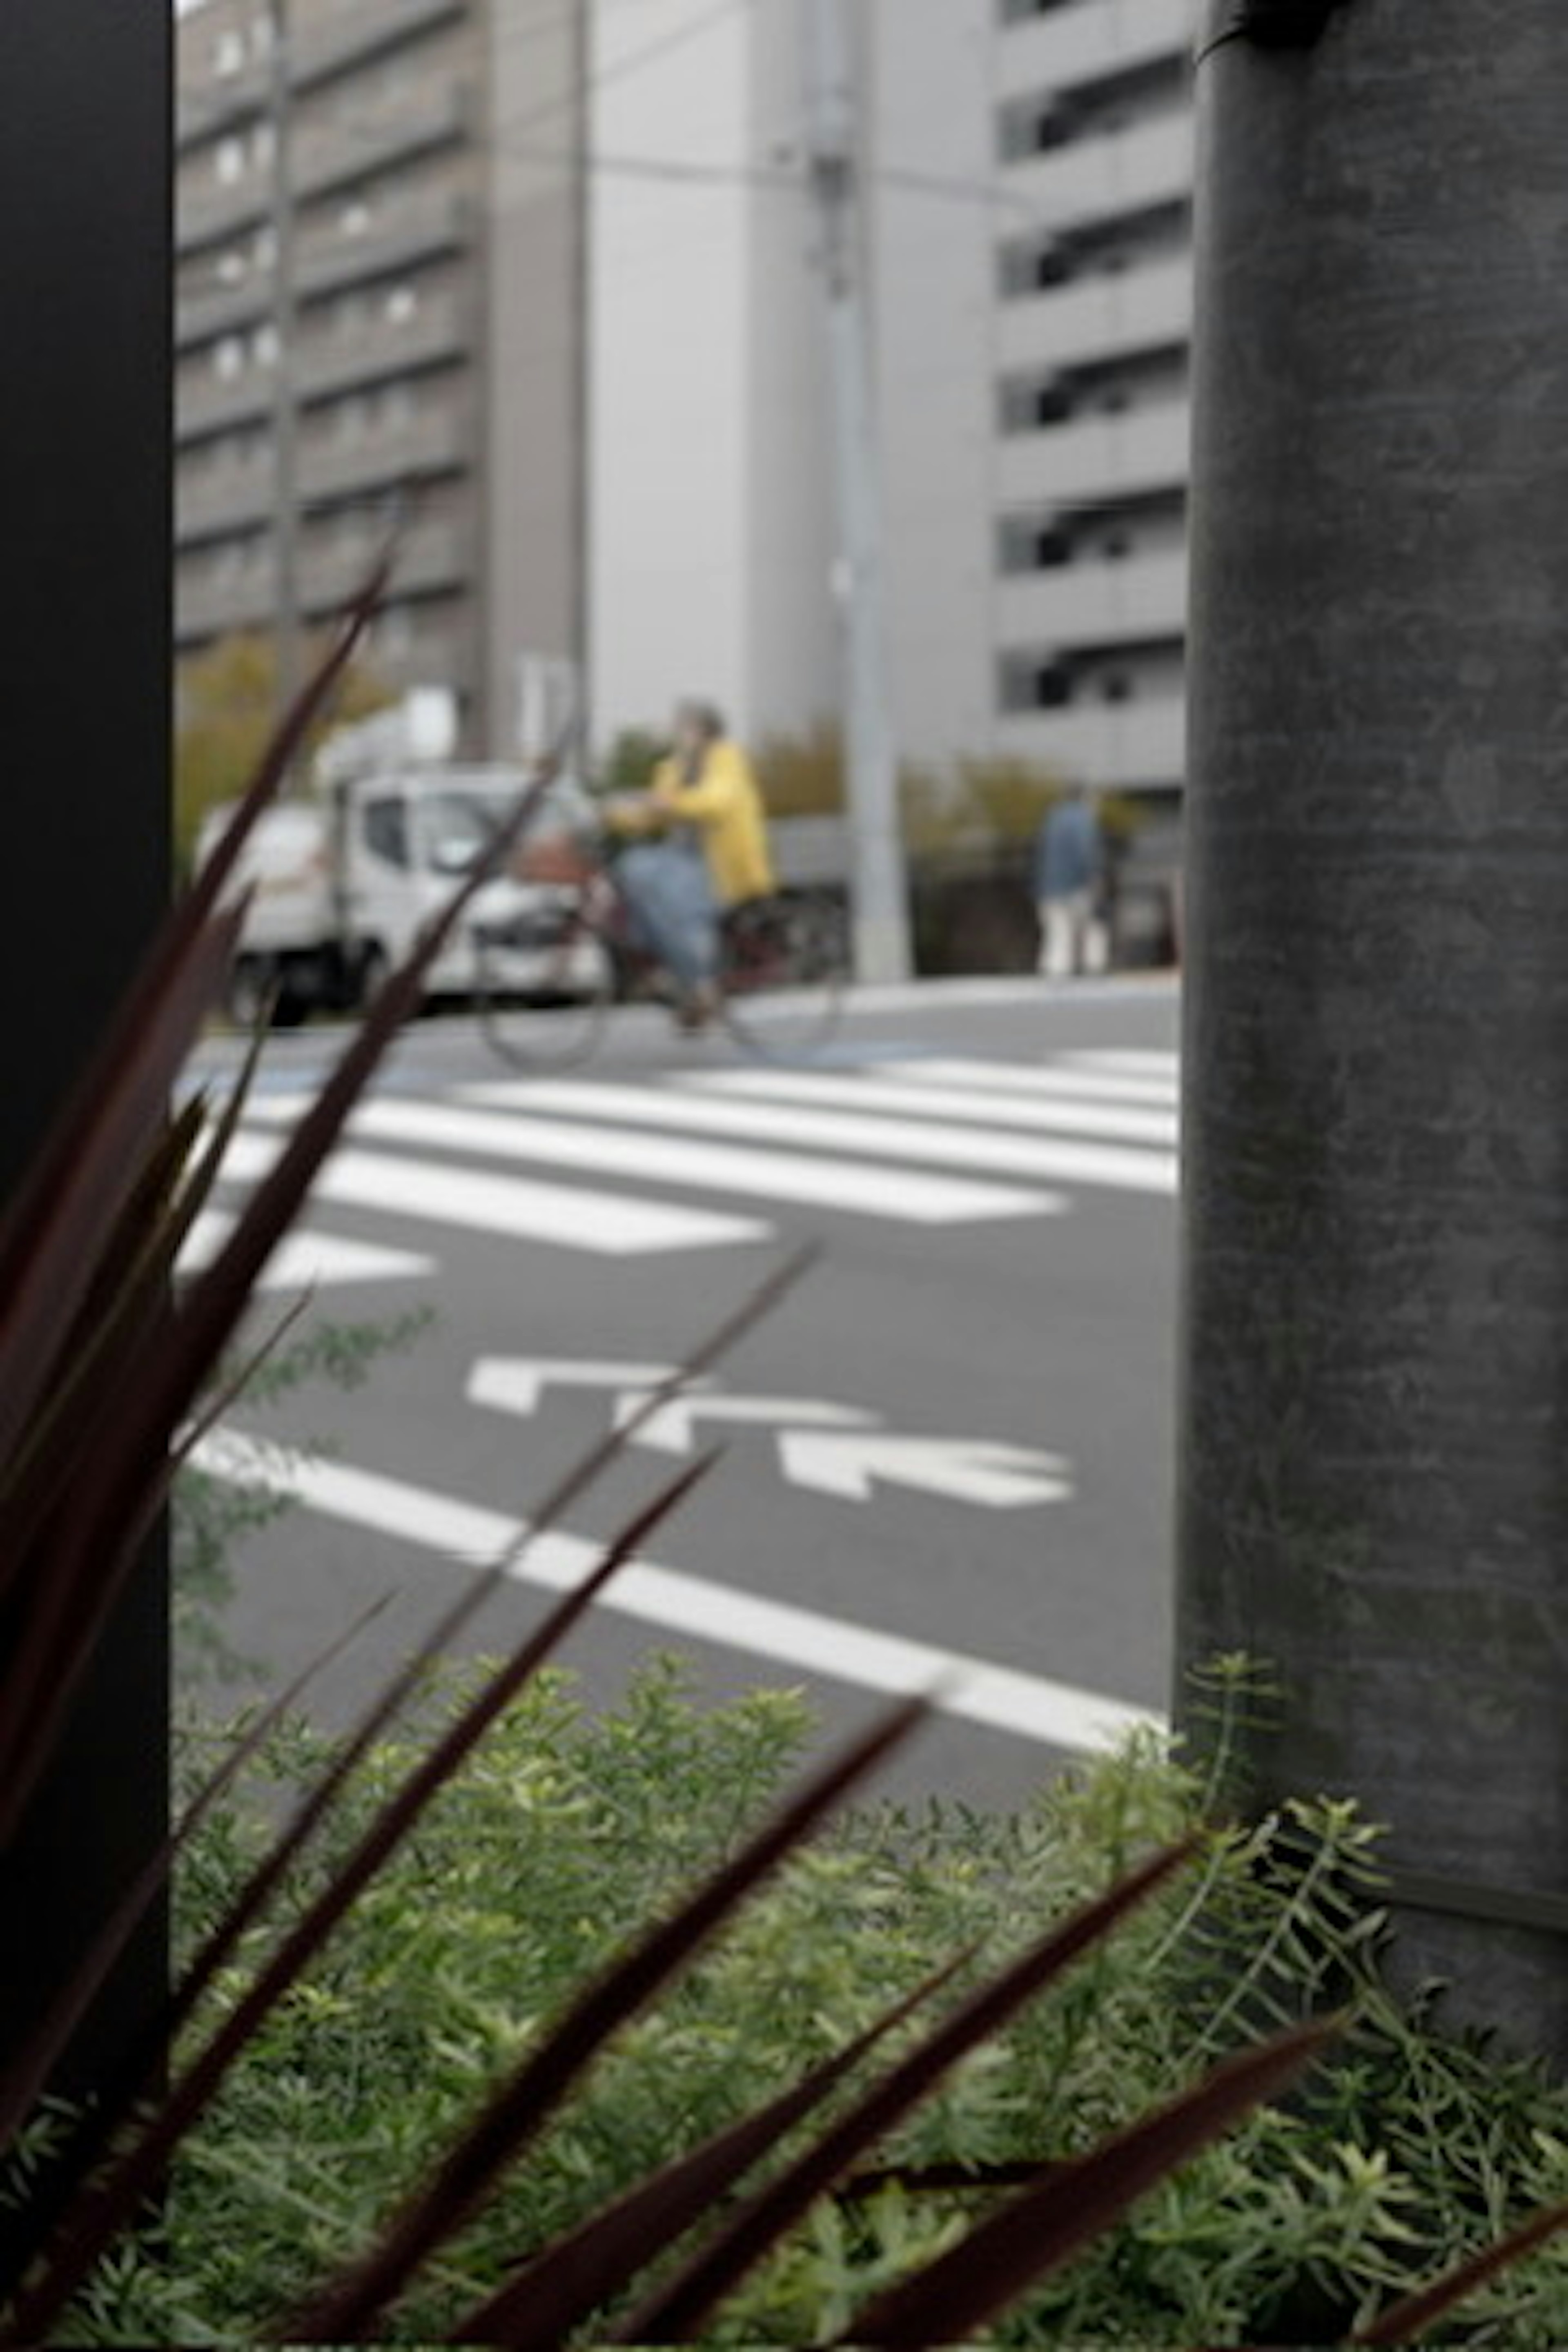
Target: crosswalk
x: 714, y: 1159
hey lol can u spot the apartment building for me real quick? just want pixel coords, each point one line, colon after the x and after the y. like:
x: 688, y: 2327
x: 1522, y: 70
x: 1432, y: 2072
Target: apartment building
x: 1024, y: 170
x: 1092, y: 327
x: 557, y: 302
x: 398, y: 324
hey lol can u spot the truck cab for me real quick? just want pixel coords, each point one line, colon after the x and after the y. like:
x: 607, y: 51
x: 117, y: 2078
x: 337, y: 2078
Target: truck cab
x: 342, y: 884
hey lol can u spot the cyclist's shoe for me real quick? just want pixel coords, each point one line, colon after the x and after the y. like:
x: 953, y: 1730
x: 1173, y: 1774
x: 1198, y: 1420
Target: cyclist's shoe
x: 698, y: 1008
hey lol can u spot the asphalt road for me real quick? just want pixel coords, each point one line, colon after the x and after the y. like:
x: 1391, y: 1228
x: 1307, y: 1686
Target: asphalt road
x: 950, y: 1443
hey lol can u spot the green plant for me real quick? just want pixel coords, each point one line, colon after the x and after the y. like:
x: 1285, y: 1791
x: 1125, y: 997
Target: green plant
x: 226, y: 712
x: 209, y: 1518
x: 1309, y: 2214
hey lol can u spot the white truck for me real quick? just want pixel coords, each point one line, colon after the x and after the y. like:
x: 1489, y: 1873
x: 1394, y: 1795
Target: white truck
x: 343, y: 880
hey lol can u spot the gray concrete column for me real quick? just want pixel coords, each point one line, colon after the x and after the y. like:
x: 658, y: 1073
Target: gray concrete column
x: 1374, y: 1476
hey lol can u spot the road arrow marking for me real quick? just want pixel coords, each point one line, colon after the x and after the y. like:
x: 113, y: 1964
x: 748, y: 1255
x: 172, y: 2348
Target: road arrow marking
x: 959, y: 1469
x: 467, y: 1537
x: 672, y: 1429
x: 517, y: 1383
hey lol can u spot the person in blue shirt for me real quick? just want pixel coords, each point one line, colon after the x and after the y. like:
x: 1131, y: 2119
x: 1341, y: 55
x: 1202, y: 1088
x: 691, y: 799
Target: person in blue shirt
x: 1070, y: 886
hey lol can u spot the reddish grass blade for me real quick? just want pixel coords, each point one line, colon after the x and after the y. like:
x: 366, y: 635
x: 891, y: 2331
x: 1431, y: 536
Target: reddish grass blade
x: 1407, y: 2321
x: 962, y: 2291
x: 100, y: 2218
x: 443, y: 1635
x: 348, y: 2311
x: 125, y: 1307
x: 47, y: 1234
x: 45, y: 1277
x: 675, y: 2312
x: 24, y: 2084
x: 122, y: 1484
x: 578, y: 2272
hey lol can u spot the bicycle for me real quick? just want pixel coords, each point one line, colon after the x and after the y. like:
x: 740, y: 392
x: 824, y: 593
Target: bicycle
x: 783, y: 961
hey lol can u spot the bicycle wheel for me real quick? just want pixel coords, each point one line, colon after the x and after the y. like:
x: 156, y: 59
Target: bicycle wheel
x: 785, y: 964
x: 542, y: 1003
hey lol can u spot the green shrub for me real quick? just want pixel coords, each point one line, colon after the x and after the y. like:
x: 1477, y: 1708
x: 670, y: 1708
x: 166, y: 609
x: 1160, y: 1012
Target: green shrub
x: 569, y: 1828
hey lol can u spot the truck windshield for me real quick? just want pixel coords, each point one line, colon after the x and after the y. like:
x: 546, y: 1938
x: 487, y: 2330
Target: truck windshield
x: 459, y: 824
x: 460, y: 820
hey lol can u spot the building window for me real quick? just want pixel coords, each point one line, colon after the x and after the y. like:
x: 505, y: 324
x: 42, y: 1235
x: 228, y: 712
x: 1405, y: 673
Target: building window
x: 230, y: 54
x: 266, y: 345
x: 229, y: 358
x: 228, y: 161
x: 401, y: 305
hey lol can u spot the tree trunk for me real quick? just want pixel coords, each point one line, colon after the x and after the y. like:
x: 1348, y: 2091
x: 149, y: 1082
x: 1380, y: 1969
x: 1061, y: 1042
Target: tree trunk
x: 1374, y: 1475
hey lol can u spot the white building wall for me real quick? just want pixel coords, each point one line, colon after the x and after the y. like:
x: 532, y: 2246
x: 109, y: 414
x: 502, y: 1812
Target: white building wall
x: 669, y: 273
x: 931, y: 169
x: 793, y: 681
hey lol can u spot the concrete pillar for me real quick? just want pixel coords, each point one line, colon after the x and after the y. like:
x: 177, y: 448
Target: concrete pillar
x: 1374, y: 1477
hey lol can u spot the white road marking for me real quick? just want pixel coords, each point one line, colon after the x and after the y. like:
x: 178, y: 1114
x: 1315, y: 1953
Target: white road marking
x: 1038, y: 1081
x: 899, y: 1091
x: 1152, y: 1063
x: 1032, y: 1706
x: 902, y: 1194
x: 602, y: 1223
x: 517, y: 1383
x: 857, y: 1115
x: 673, y: 1428
x: 959, y: 1469
x: 306, y: 1260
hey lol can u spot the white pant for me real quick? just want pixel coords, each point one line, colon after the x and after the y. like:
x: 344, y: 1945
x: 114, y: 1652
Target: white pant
x: 1072, y: 938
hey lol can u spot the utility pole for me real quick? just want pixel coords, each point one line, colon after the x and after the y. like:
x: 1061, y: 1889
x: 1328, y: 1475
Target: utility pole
x: 880, y: 894
x: 1375, y: 1353
x: 285, y: 410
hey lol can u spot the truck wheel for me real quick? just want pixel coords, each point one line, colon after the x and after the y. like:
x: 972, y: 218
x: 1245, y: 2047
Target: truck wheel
x: 249, y: 994
x: 371, y: 968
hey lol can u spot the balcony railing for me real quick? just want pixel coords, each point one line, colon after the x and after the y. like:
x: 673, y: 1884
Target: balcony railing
x: 222, y: 214
x: 384, y: 461
x: 415, y: 232
x: 354, y: 35
x: 433, y: 560
x: 214, y: 500
x: 335, y: 155
x: 335, y: 363
x: 1108, y: 316
x: 1118, y: 745
x: 1095, y: 459
x: 203, y: 410
x: 1074, y: 46
x: 1106, y: 174
x: 1096, y: 602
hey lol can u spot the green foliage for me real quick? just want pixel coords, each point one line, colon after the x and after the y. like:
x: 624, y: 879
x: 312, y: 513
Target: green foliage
x: 569, y: 1828
x: 802, y: 775
x: 210, y: 1517
x: 225, y: 712
x: 629, y: 765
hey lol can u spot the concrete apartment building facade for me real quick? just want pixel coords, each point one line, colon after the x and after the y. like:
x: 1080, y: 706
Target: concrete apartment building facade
x: 558, y: 293
x: 430, y: 350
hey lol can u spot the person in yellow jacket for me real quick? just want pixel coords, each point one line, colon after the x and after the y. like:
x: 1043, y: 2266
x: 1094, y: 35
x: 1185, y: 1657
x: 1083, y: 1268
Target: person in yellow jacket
x: 700, y: 846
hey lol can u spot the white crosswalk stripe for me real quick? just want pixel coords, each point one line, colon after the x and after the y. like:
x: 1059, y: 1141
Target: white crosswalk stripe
x: 1041, y: 1082
x: 604, y: 1223
x: 849, y: 1120
x: 932, y: 1142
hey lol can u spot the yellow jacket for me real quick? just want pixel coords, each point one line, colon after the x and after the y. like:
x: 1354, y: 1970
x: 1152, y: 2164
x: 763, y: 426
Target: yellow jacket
x: 726, y: 807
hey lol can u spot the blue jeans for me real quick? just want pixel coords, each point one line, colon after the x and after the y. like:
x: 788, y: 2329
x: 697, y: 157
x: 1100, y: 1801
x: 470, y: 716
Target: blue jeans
x: 673, y: 910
